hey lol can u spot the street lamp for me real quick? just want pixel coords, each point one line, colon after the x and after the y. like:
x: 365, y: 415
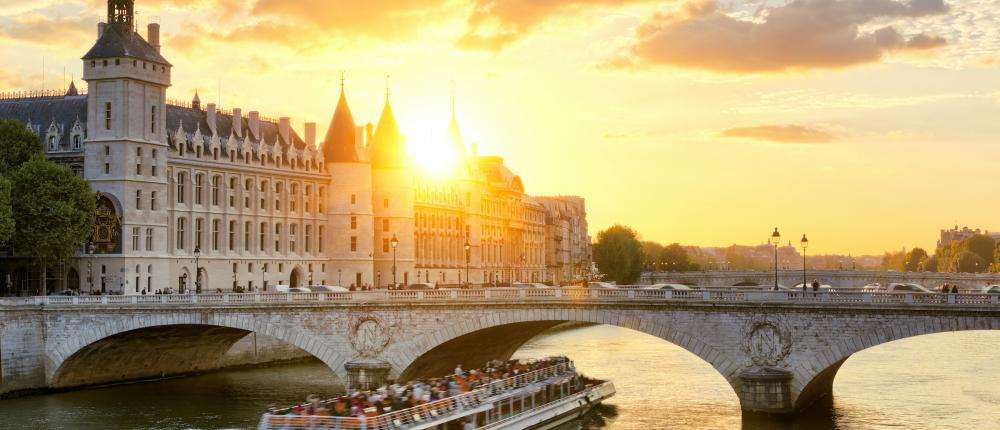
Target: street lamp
x: 90, y: 267
x: 395, y: 243
x: 468, y: 256
x: 197, y: 270
x: 776, y: 239
x: 340, y: 281
x: 805, y: 244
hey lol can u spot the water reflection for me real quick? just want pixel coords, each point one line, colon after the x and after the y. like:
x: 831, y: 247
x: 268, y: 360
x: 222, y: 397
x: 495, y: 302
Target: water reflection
x: 943, y: 381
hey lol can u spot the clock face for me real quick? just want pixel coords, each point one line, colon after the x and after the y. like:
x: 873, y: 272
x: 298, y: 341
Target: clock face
x: 370, y: 337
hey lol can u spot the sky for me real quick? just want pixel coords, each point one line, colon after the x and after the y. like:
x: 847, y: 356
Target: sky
x: 867, y: 124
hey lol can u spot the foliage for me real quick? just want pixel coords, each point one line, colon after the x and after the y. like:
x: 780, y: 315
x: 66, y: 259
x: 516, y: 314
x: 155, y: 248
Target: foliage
x: 930, y: 264
x: 619, y: 255
x: 914, y: 260
x: 894, y: 260
x: 968, y: 262
x: 6, y: 213
x: 17, y: 146
x: 981, y: 245
x: 53, y: 210
x: 674, y: 258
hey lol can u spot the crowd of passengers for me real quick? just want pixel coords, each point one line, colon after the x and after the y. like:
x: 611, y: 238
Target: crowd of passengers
x: 395, y: 397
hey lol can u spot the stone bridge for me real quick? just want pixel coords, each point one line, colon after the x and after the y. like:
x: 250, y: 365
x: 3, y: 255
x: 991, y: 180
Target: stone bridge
x: 842, y: 279
x: 780, y: 351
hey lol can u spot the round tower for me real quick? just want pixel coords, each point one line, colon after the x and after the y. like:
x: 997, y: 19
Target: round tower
x: 392, y: 200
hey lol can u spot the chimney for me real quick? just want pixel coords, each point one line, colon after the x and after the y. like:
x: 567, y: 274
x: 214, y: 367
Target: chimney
x: 311, y: 134
x: 100, y: 29
x: 211, y: 117
x: 285, y: 129
x: 238, y: 121
x: 153, y: 34
x: 254, y: 123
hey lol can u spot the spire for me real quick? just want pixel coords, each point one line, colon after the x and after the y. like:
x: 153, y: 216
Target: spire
x: 339, y: 144
x: 388, y: 146
x: 196, y: 102
x: 454, y: 134
x: 72, y: 91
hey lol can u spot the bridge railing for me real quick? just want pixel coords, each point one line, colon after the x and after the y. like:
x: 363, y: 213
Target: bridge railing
x: 515, y: 295
x: 417, y: 416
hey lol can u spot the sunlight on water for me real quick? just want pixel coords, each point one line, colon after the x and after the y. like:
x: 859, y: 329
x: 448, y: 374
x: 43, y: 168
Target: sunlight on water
x: 943, y: 381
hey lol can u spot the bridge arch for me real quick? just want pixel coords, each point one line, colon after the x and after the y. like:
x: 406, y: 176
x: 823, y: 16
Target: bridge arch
x: 814, y: 377
x: 63, y: 358
x: 514, y: 328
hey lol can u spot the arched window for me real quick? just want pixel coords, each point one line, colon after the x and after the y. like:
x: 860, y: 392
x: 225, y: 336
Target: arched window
x: 149, y: 242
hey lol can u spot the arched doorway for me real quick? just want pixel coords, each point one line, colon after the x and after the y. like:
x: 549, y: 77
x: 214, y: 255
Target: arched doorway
x: 296, y: 277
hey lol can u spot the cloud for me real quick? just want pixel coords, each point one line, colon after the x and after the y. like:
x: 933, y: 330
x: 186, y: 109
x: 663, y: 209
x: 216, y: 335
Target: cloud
x: 37, y: 28
x: 781, y: 134
x: 802, y: 34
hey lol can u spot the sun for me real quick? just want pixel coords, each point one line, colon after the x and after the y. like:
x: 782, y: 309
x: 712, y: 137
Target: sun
x: 432, y: 154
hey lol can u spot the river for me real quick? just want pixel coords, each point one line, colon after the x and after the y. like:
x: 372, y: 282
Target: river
x: 941, y: 381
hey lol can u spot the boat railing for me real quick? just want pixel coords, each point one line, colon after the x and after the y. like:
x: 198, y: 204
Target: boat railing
x: 416, y: 415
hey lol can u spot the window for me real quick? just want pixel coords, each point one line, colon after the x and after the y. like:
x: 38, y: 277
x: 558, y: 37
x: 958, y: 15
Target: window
x: 232, y: 235
x: 198, y: 179
x: 152, y: 168
x: 138, y: 200
x: 232, y: 192
x: 152, y: 120
x: 354, y: 243
x: 152, y: 200
x: 107, y: 168
x: 385, y: 203
x: 180, y: 232
x: 181, y: 179
x: 354, y: 199
x: 246, y: 236
x: 277, y: 238
x: 107, y: 117
x: 293, y: 232
x: 135, y: 239
x: 215, y: 190
x: 263, y: 236
x: 215, y: 234
x: 308, y: 241
x: 322, y: 231
x: 76, y: 141
x: 385, y: 245
x: 385, y: 225
x: 149, y: 240
x: 198, y: 225
x: 354, y: 223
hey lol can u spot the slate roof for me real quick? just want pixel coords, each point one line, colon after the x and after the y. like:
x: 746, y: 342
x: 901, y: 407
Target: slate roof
x: 41, y: 112
x: 119, y: 40
x: 197, y: 119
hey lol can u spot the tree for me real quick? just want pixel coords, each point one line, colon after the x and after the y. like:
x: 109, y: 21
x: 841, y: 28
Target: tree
x: 981, y: 245
x: 893, y: 260
x: 651, y: 252
x: 618, y: 254
x: 930, y: 264
x: 914, y: 260
x: 17, y: 146
x: 6, y: 213
x: 675, y: 258
x: 53, y: 212
x: 969, y: 262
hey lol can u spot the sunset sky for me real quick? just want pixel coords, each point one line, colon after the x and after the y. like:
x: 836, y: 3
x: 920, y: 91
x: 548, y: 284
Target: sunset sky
x: 868, y: 124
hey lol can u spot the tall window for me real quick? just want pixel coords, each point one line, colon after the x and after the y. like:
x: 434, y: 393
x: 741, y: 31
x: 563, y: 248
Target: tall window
x: 293, y: 198
x: 107, y: 116
x: 135, y: 239
x: 385, y: 225
x: 149, y: 239
x: 322, y: 231
x: 246, y: 236
x: 232, y: 235
x: 181, y: 179
x: 152, y: 200
x: 138, y: 200
x: 308, y: 239
x: 385, y: 245
x: 198, y: 225
x: 181, y: 223
x: 215, y: 234
x: 354, y: 223
x: 277, y: 238
x: 198, y: 184
x: 354, y: 243
x: 354, y: 199
x: 138, y: 161
x: 293, y: 232
x: 152, y: 120
x: 215, y: 189
x: 232, y: 192
x: 263, y: 236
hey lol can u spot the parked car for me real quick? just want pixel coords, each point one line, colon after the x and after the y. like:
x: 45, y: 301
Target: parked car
x: 991, y: 289
x: 596, y: 284
x: 670, y: 287
x: 328, y: 289
x: 281, y: 288
x: 299, y: 290
x: 421, y: 286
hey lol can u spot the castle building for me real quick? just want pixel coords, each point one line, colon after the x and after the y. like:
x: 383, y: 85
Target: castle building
x: 193, y: 197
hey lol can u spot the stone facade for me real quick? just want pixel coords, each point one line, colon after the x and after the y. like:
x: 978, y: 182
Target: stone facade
x: 780, y: 355
x: 195, y: 197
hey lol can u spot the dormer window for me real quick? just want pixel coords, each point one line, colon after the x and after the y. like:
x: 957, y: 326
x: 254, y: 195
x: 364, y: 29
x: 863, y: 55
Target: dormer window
x: 53, y: 145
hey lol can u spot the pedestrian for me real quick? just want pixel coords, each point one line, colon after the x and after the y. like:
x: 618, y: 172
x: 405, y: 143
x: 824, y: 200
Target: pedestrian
x: 815, y: 286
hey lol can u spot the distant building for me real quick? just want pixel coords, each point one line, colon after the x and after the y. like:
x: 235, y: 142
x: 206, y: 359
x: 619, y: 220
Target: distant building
x: 959, y: 234
x: 189, y: 194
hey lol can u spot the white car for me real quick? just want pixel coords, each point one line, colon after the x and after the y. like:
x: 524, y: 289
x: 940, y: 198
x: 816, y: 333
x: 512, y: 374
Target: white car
x: 299, y: 290
x: 328, y: 289
x: 907, y: 288
x: 671, y: 287
x: 281, y: 288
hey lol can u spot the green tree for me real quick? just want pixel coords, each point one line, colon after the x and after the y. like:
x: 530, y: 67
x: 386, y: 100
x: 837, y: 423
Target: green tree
x: 53, y: 212
x: 981, y: 245
x: 618, y: 254
x: 675, y: 258
x: 914, y: 260
x: 6, y: 213
x: 969, y: 262
x: 17, y: 145
x: 651, y: 252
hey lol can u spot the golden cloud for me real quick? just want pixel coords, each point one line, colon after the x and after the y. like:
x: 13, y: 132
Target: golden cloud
x: 781, y: 134
x: 802, y: 34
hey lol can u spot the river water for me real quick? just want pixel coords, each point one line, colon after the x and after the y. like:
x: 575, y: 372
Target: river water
x: 942, y: 381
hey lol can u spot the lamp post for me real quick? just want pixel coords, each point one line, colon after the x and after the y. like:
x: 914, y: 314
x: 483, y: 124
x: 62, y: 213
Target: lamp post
x: 90, y: 267
x: 776, y: 239
x: 263, y: 270
x: 235, y: 284
x: 394, y: 243
x: 340, y: 280
x: 805, y: 244
x: 197, y: 270
x: 468, y: 256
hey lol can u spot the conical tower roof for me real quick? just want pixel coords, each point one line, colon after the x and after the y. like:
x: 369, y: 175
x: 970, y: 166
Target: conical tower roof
x: 339, y: 145
x: 388, y: 146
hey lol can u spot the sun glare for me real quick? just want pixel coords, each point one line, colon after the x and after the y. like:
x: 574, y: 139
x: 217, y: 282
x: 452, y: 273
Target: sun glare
x: 432, y: 155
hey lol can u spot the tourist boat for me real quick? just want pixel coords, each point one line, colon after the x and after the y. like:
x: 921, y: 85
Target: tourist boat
x: 541, y: 399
